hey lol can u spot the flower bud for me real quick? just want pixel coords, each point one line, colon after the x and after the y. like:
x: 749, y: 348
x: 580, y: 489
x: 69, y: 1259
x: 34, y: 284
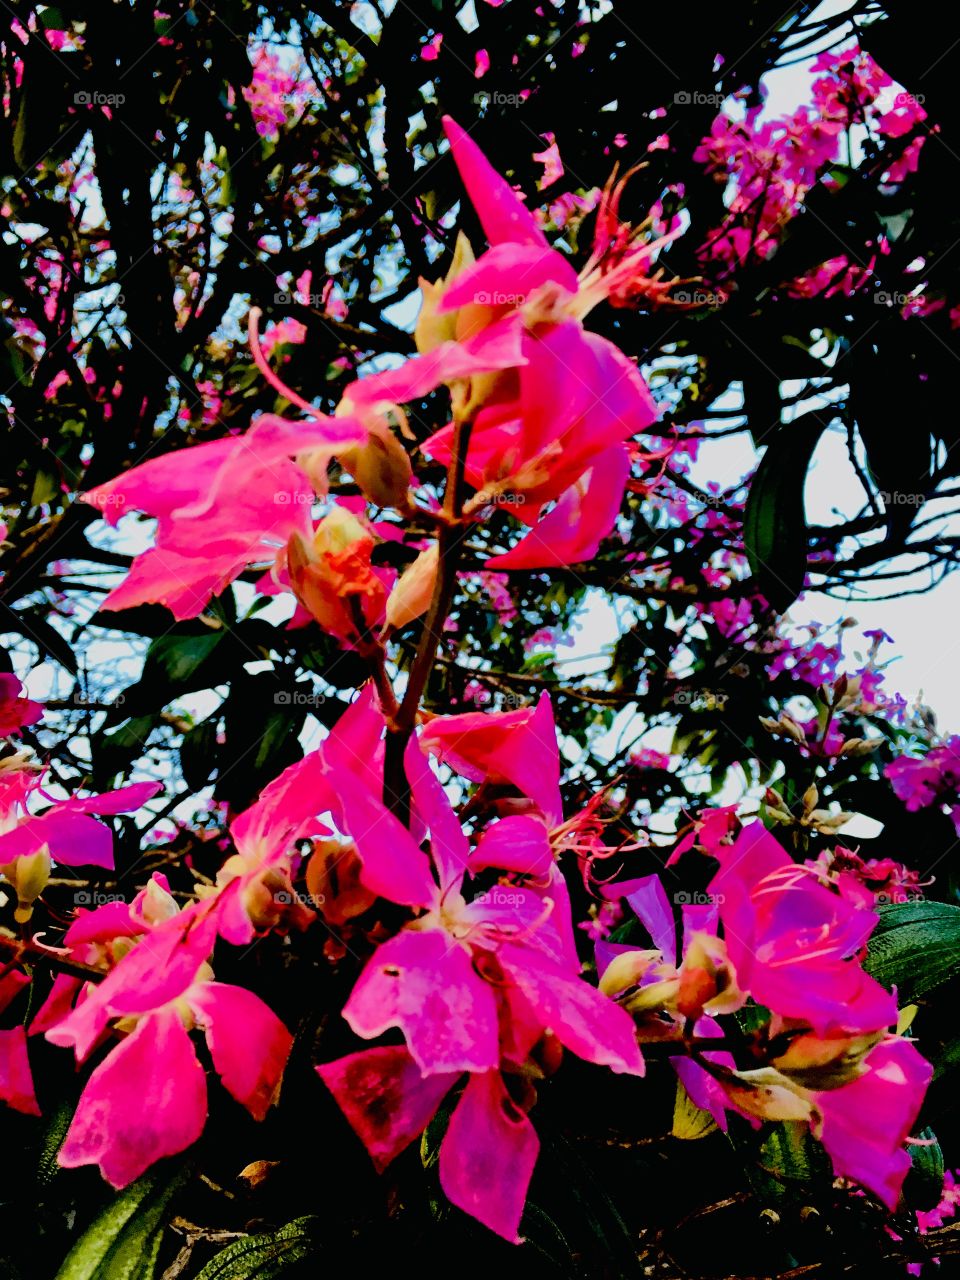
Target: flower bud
x: 626, y: 970
x: 335, y: 566
x: 28, y: 876
x: 767, y: 1094
x: 708, y: 983
x: 825, y: 1063
x: 413, y: 591
x: 381, y: 468
x: 333, y: 881
x: 432, y: 330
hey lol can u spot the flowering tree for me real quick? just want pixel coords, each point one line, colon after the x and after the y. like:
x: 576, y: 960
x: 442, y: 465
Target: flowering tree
x: 351, y: 378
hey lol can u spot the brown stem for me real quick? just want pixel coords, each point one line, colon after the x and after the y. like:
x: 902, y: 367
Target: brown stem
x: 396, y: 790
x: 30, y: 953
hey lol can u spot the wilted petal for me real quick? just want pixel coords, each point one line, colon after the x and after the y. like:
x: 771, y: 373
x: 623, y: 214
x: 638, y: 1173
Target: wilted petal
x: 386, y: 1099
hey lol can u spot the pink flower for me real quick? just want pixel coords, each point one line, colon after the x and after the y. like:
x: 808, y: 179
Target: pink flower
x: 66, y: 827
x: 148, y: 1098
x: 793, y: 943
x: 430, y: 52
x: 518, y: 747
x: 284, y: 331
x: 556, y: 431
x: 864, y: 1124
x: 473, y: 985
x: 549, y: 157
x: 234, y: 504
x: 931, y: 779
x: 15, y: 711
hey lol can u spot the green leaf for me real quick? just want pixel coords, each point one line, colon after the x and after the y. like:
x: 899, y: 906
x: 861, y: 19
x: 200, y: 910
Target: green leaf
x: 175, y: 664
x: 123, y: 1242
x: 54, y: 1133
x: 198, y: 753
x: 924, y: 1182
x: 915, y: 947
x: 269, y: 1254
x: 690, y: 1121
x: 774, y: 520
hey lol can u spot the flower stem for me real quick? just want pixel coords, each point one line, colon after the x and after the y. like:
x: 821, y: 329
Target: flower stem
x: 396, y: 790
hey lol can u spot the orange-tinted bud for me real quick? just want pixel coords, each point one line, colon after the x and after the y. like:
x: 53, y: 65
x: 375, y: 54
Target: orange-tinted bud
x: 333, y: 882
x: 413, y: 591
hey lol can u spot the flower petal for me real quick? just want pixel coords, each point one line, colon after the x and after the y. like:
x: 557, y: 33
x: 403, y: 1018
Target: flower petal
x: 488, y: 1155
x: 146, y: 1100
x: 385, y: 1098
x: 424, y: 983
x: 248, y: 1042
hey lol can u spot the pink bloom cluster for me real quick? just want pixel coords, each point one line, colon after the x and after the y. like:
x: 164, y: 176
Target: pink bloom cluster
x: 551, y: 405
x: 792, y: 945
x: 933, y: 779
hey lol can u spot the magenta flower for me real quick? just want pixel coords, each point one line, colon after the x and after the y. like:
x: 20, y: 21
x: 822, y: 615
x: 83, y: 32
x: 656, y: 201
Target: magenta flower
x: 472, y: 984
x: 793, y: 942
x: 15, y: 711
x: 66, y: 829
x: 864, y: 1124
x: 147, y: 1099
x: 207, y: 534
x: 516, y: 747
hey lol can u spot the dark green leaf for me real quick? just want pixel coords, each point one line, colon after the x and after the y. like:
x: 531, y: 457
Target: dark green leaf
x: 774, y: 523
x: 924, y: 1183
x: 915, y: 947
x: 272, y: 1253
x: 122, y: 1243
